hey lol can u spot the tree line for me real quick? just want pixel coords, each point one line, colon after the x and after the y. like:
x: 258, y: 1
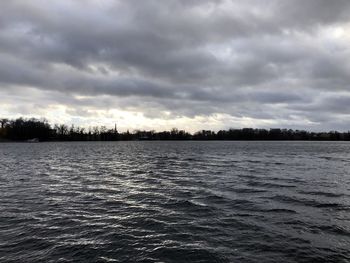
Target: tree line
x: 27, y: 129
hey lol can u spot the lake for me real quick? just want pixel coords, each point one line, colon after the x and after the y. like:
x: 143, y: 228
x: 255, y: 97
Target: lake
x: 159, y: 201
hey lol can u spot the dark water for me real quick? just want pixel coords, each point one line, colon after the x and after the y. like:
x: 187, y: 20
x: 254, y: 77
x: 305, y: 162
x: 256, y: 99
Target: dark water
x: 175, y: 202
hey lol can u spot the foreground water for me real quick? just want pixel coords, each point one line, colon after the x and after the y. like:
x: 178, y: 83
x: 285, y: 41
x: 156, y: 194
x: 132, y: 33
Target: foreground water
x: 175, y: 202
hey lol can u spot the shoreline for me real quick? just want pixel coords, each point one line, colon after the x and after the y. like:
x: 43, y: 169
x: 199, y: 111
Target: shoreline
x: 213, y: 140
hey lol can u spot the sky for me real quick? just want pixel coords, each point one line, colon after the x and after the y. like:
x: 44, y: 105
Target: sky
x: 190, y: 64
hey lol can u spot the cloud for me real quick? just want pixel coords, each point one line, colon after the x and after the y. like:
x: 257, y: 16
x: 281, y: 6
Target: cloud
x: 274, y: 62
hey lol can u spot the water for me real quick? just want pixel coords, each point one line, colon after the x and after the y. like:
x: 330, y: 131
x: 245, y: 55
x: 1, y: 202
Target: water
x: 175, y: 202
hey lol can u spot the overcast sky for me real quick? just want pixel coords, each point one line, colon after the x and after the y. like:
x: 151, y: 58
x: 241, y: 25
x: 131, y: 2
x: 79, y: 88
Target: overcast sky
x: 191, y: 64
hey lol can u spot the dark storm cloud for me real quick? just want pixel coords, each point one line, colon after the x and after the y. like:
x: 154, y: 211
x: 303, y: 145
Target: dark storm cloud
x: 275, y: 60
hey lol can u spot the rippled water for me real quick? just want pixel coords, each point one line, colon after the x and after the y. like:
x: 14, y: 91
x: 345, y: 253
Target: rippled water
x: 175, y: 202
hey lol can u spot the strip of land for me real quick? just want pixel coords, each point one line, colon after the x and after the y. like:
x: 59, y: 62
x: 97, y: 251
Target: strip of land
x: 34, y: 130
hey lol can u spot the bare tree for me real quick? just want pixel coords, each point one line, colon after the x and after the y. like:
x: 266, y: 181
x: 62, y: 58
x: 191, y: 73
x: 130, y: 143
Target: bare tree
x: 3, y: 122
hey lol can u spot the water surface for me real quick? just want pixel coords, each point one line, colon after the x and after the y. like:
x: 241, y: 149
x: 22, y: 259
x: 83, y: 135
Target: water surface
x: 175, y: 202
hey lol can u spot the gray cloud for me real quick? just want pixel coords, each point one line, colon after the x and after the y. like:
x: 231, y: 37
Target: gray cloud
x: 271, y: 60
